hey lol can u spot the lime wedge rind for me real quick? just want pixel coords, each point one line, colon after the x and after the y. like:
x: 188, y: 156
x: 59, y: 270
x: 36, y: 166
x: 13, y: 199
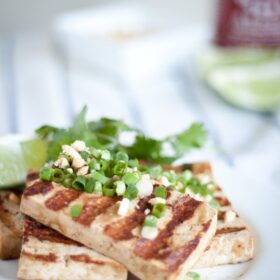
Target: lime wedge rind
x: 19, y: 153
x: 246, y: 78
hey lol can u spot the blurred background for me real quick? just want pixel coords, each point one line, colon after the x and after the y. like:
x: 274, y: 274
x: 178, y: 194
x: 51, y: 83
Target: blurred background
x: 31, y: 14
x: 157, y: 64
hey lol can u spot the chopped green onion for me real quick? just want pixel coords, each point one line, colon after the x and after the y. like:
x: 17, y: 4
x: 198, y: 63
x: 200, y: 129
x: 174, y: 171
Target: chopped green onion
x: 130, y: 179
x: 76, y: 210
x: 68, y: 180
x: 155, y: 171
x: 122, y: 156
x: 105, y: 154
x: 149, y: 232
x: 120, y: 188
x: 58, y: 175
x: 119, y: 168
x: 98, y: 188
x: 89, y: 186
x: 95, y: 152
x: 46, y: 174
x: 104, y: 165
x: 150, y: 221
x: 192, y: 276
x: 160, y: 192
x: 131, y: 192
x: 159, y: 210
x: 187, y: 174
x: 84, y: 155
x: 109, y: 190
x: 172, y: 176
x: 69, y: 170
x: 196, y: 186
x: 79, y: 183
x: 99, y: 177
x: 94, y: 164
x: 133, y: 163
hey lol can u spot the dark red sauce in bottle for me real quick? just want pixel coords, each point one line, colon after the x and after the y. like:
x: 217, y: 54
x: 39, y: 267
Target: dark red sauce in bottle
x: 248, y: 23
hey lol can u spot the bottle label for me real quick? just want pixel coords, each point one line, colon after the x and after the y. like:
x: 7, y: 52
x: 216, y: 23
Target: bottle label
x: 248, y: 22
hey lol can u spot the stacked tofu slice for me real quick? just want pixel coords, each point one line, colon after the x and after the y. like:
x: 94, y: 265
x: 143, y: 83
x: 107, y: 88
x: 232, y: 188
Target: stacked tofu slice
x: 190, y: 234
x: 233, y: 242
x: 46, y: 254
x: 10, y: 225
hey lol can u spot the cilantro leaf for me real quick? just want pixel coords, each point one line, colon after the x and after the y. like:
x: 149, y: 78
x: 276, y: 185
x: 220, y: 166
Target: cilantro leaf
x: 193, y: 137
x: 148, y: 149
x: 80, y: 125
x: 105, y: 134
x: 45, y: 130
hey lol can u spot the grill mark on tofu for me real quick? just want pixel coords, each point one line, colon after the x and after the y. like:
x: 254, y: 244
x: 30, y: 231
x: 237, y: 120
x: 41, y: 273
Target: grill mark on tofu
x: 62, y: 199
x: 32, y: 176
x: 221, y: 215
x: 43, y: 233
x: 39, y: 187
x: 94, y: 207
x: 158, y: 248
x: 51, y: 258
x: 122, y: 229
x: 178, y: 256
x: 223, y: 201
x: 229, y: 230
x: 83, y: 258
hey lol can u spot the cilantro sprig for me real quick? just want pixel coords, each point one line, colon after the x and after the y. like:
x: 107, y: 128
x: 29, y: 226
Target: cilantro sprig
x: 105, y: 134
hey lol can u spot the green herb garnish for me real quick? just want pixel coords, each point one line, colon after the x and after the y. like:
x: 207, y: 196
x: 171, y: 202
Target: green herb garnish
x: 98, y: 188
x: 84, y: 155
x: 105, y: 134
x: 58, y: 175
x: 160, y: 192
x: 79, y: 183
x: 99, y: 177
x: 46, y: 174
x: 133, y: 163
x: 130, y: 179
x: 76, y: 210
x: 120, y: 168
x: 192, y: 276
x: 122, y: 156
x: 155, y: 171
x: 159, y: 210
x: 68, y: 180
x: 131, y: 192
x: 89, y: 186
x: 109, y: 190
x: 150, y: 221
x: 120, y: 188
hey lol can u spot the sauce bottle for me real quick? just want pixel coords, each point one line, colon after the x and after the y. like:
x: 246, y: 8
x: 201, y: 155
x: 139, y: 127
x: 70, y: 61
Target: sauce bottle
x: 248, y: 23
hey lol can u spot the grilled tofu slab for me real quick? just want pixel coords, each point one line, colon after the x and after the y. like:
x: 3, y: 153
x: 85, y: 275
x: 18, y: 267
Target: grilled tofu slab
x: 184, y: 232
x: 233, y: 242
x: 10, y: 225
x: 48, y: 255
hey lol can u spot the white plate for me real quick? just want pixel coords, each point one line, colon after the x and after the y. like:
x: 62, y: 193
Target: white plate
x: 259, y: 204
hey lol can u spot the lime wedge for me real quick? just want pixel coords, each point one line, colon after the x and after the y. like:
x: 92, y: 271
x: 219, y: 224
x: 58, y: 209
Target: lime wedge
x: 18, y: 154
x: 246, y: 78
